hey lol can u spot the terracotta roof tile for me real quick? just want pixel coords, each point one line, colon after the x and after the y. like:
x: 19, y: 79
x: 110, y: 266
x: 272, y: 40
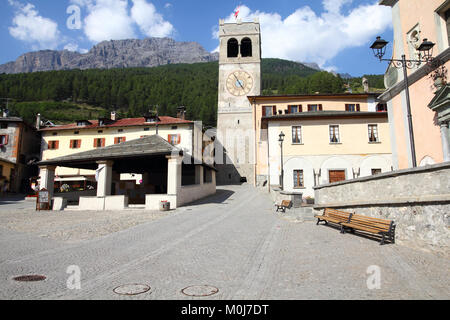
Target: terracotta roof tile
x: 130, y: 122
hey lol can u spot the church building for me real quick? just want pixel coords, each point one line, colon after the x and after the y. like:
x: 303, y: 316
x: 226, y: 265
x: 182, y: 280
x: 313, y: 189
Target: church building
x: 329, y: 137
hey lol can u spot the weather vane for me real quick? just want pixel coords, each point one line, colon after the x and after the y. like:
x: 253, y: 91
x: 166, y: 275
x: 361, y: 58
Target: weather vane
x: 236, y: 13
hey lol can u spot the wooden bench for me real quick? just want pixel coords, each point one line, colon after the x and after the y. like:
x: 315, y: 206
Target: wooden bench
x: 384, y: 228
x: 285, y: 204
x: 333, y: 216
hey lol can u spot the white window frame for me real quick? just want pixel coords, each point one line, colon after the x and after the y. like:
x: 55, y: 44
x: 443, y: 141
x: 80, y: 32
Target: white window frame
x: 338, y: 133
x: 377, y: 133
x: 301, y: 135
x: 296, y: 180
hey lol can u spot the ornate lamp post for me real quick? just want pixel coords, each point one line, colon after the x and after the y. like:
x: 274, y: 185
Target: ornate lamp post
x: 426, y: 56
x: 281, y: 140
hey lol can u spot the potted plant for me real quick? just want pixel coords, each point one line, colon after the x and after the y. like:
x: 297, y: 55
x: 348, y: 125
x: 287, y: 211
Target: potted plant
x: 309, y: 200
x: 439, y: 77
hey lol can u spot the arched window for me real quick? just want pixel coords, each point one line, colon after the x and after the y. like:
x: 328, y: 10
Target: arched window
x: 233, y: 48
x: 246, y: 47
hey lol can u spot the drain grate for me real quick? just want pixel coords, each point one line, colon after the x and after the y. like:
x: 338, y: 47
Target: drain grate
x: 200, y: 291
x: 30, y: 278
x: 131, y: 289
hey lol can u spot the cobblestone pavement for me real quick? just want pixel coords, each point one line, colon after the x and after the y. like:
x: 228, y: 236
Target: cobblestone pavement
x: 233, y: 241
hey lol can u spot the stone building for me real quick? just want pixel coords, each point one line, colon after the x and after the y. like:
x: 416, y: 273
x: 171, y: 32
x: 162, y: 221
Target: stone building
x: 19, y: 149
x: 137, y: 161
x: 239, y: 76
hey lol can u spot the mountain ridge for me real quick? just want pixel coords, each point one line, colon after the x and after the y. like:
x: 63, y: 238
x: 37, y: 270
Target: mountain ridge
x: 128, y: 53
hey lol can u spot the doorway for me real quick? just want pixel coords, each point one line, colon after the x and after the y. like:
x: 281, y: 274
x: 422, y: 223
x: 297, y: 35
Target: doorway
x: 336, y: 176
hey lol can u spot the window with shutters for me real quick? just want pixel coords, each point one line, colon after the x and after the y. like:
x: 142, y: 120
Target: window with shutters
x: 297, y: 135
x: 75, y: 144
x: 373, y: 133
x: 334, y: 134
x: 53, y: 145
x: 315, y: 107
x: 174, y: 139
x: 298, y: 179
x: 294, y: 109
x: 352, y: 107
x: 99, y: 142
x: 336, y: 176
x: 269, y: 111
x: 4, y: 139
x: 118, y: 140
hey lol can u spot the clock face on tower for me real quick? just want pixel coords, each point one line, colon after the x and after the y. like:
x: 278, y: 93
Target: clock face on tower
x: 239, y: 83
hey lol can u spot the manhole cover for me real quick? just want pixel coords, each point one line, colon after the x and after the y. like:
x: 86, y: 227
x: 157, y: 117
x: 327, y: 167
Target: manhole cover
x: 200, y: 291
x: 30, y: 278
x: 132, y: 289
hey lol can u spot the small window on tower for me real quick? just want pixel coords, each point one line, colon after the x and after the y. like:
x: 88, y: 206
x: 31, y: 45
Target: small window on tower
x: 246, y: 47
x: 233, y: 48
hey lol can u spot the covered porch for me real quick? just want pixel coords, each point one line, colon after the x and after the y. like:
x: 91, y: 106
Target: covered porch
x: 167, y: 175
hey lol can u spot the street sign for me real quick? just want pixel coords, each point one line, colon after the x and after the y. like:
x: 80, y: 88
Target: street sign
x: 43, y: 200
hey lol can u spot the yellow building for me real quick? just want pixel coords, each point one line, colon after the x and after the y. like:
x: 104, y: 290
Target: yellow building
x: 19, y: 149
x: 327, y: 138
x: 83, y: 136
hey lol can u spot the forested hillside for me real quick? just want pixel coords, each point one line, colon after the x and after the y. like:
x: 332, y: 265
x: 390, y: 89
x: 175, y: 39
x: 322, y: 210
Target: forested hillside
x: 64, y: 96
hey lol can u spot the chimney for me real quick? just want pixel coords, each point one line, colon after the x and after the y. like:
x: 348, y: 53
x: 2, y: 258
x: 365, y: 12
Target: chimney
x: 181, y: 113
x: 113, y: 116
x: 365, y: 84
x: 38, y: 121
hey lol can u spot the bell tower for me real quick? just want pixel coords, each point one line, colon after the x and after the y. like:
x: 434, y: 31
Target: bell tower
x: 239, y: 77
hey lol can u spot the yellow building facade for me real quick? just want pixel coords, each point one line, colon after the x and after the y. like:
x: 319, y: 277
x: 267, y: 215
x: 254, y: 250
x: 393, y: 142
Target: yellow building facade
x: 60, y: 141
x: 327, y: 138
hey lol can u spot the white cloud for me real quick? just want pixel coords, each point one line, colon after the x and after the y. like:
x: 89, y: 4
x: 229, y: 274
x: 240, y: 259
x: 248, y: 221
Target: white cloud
x: 151, y: 23
x: 74, y: 48
x: 114, y: 20
x: 107, y: 20
x: 307, y: 36
x: 71, y: 47
x: 29, y: 26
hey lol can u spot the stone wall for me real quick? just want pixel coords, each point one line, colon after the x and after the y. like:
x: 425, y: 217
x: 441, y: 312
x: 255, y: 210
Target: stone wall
x: 418, y: 200
x: 189, y: 194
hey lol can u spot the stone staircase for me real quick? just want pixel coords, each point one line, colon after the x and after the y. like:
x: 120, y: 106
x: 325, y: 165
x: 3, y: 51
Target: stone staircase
x: 302, y: 214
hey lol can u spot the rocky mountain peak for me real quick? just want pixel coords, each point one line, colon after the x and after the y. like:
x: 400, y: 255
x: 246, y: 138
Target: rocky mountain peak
x: 149, y: 52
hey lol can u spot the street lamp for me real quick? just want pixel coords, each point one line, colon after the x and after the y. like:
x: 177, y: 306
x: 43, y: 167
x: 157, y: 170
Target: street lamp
x: 281, y: 140
x: 426, y: 56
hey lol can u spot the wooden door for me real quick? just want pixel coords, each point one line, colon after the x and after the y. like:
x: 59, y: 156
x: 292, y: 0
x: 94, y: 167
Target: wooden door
x: 336, y: 175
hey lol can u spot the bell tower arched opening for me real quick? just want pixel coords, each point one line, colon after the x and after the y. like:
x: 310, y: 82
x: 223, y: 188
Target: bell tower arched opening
x: 233, y: 48
x: 246, y: 48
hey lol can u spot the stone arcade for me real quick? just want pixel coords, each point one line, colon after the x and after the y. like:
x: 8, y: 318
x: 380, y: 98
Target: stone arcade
x: 168, y: 174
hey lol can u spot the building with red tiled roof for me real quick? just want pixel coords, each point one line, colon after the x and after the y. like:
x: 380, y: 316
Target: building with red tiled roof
x: 86, y: 135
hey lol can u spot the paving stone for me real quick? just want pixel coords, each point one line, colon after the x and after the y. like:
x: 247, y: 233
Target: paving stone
x: 233, y: 241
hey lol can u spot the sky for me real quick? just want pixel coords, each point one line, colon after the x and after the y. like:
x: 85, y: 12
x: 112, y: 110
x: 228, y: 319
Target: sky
x: 335, y: 34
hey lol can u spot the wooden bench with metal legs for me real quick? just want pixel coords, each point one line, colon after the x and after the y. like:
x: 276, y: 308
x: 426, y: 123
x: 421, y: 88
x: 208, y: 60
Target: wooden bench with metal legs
x: 333, y: 216
x: 382, y: 227
x: 352, y: 221
x: 285, y: 204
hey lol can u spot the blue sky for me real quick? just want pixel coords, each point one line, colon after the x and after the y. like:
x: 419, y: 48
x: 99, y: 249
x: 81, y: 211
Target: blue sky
x: 336, y: 34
